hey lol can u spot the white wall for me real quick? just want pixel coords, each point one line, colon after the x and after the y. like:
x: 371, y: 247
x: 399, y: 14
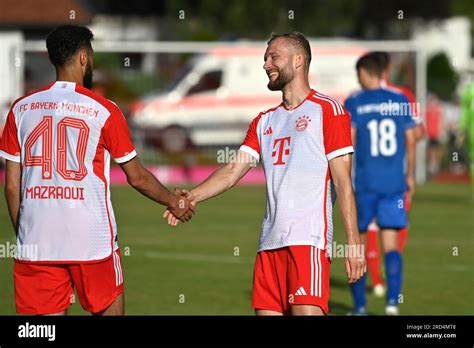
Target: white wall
x: 11, y: 67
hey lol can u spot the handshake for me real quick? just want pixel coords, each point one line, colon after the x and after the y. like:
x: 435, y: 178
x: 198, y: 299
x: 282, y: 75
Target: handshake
x: 181, y: 208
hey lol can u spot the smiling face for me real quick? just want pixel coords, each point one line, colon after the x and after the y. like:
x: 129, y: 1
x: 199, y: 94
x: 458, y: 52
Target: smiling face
x: 279, y: 64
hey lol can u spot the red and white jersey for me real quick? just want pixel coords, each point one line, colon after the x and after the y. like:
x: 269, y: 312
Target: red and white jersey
x: 295, y: 147
x: 63, y: 136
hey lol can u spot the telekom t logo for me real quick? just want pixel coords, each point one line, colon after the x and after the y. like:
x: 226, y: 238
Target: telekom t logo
x: 280, y: 149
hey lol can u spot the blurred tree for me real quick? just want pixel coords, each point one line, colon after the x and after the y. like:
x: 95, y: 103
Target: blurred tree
x: 251, y: 19
x: 380, y: 18
x: 442, y: 78
x: 205, y: 20
x: 256, y: 19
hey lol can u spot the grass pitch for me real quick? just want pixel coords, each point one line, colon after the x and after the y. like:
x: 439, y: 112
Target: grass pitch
x: 205, y: 267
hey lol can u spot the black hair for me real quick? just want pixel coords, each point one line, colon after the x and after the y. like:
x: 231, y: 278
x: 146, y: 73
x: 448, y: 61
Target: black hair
x: 299, y: 41
x: 369, y: 63
x: 64, y: 41
x: 382, y: 57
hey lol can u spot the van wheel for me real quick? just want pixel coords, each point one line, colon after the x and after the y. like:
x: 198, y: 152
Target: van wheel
x: 174, y: 139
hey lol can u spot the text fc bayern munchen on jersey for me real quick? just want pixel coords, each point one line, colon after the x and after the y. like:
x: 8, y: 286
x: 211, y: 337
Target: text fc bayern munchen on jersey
x: 295, y: 146
x: 63, y: 135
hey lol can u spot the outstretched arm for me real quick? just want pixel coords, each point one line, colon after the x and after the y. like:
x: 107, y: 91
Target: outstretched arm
x: 146, y: 183
x: 224, y: 178
x: 218, y: 182
x: 341, y: 175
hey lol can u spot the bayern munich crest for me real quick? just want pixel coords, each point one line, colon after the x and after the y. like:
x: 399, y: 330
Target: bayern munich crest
x: 302, y: 123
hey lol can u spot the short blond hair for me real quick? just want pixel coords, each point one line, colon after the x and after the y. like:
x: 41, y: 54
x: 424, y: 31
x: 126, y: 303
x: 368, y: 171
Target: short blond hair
x: 299, y: 41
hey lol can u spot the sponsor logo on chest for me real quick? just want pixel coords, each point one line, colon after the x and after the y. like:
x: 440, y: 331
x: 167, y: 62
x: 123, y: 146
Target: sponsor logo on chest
x: 281, y: 147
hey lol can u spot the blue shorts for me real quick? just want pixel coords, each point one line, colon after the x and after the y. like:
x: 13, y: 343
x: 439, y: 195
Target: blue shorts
x: 388, y: 210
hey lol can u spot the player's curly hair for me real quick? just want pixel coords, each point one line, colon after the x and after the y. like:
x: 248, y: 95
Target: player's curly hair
x: 299, y: 41
x: 64, y: 41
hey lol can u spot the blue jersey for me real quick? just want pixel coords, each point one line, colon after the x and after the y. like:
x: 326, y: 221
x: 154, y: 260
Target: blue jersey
x: 381, y: 117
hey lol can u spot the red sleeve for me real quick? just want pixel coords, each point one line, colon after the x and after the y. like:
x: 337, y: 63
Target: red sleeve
x: 9, y: 144
x: 337, y: 131
x: 411, y: 98
x: 251, y: 144
x: 117, y: 137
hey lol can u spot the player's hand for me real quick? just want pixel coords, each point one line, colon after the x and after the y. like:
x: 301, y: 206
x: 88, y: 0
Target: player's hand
x: 411, y: 186
x: 181, y: 208
x: 355, y: 262
x: 172, y: 218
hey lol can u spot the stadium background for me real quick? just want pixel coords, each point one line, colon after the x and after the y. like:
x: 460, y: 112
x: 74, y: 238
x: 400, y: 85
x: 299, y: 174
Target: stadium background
x: 145, y: 49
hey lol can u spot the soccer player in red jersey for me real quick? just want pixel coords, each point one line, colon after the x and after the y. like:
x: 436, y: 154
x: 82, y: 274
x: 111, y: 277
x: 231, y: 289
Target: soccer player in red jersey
x: 58, y: 142
x: 306, y: 149
x: 372, y: 241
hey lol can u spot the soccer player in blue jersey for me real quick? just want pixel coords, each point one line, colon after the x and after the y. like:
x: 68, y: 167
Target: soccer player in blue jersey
x: 384, y: 137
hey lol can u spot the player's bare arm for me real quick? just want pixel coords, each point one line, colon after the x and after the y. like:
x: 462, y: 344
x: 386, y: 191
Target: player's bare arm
x: 146, y: 183
x: 218, y: 182
x: 341, y: 175
x: 224, y: 178
x: 410, y: 138
x: 354, y: 136
x: 419, y: 132
x: 12, y: 191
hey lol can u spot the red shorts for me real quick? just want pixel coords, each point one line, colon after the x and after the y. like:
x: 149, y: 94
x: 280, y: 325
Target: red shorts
x: 294, y: 275
x: 49, y: 288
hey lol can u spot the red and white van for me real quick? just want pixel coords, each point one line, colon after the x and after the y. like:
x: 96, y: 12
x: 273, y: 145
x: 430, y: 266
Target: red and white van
x: 219, y: 94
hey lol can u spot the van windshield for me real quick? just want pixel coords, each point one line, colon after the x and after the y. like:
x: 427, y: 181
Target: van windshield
x: 210, y: 81
x: 179, y: 76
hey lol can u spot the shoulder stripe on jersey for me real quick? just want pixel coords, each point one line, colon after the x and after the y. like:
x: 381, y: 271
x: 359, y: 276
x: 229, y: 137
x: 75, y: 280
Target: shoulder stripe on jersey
x: 341, y: 107
x: 332, y: 104
x: 335, y: 104
x: 327, y: 97
x: 338, y: 104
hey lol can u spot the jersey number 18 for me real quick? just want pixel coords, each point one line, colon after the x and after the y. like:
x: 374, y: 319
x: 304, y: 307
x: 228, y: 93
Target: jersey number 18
x: 383, y: 138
